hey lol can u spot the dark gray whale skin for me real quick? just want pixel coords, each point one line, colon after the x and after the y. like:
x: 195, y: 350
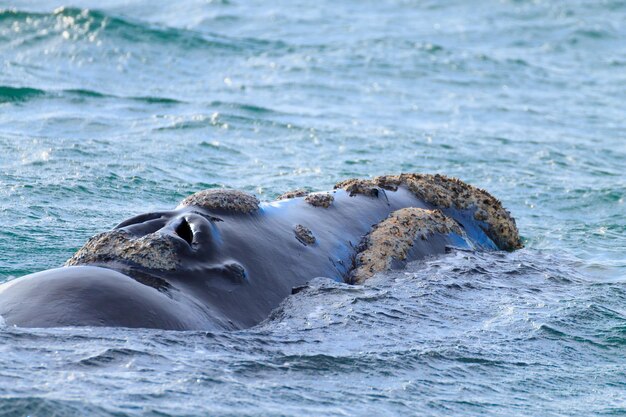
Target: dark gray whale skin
x: 232, y: 268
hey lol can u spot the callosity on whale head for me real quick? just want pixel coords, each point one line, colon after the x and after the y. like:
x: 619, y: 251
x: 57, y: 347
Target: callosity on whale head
x: 223, y: 260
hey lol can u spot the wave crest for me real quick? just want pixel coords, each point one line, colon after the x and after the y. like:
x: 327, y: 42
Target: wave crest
x: 78, y: 24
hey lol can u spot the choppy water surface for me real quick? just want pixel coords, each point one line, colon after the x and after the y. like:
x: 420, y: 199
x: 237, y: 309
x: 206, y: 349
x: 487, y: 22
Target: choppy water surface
x: 108, y: 110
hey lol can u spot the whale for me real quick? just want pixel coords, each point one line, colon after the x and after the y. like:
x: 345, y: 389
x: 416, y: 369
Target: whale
x: 223, y: 260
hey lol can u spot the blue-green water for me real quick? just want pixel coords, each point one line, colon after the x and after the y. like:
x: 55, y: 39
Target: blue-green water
x: 109, y: 109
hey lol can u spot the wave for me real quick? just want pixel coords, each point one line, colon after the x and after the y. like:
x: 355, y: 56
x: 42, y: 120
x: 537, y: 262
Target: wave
x: 32, y: 405
x: 77, y: 24
x: 13, y: 94
x: 115, y: 356
x: 21, y: 94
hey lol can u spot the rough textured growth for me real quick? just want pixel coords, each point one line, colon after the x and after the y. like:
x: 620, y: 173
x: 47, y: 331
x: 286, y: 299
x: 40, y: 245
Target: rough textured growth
x: 304, y: 235
x: 442, y: 191
x: 362, y: 186
x: 218, y: 199
x: 365, y: 187
x: 393, y: 238
x: 320, y: 199
x: 300, y: 192
x: 152, y: 251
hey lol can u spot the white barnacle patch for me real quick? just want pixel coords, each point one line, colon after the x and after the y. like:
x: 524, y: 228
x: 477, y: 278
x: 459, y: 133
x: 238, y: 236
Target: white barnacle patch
x: 300, y: 192
x: 153, y: 251
x: 393, y: 238
x: 444, y: 192
x: 357, y: 186
x: 218, y: 199
x: 320, y: 199
x: 304, y: 235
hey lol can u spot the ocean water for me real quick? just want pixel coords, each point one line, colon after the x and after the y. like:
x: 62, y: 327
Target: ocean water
x: 110, y: 109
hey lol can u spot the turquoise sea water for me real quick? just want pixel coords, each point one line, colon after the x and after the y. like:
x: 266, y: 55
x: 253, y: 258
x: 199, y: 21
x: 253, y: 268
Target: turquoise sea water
x: 108, y: 110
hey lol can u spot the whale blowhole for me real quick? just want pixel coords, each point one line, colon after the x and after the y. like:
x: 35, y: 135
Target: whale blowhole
x: 183, y: 230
